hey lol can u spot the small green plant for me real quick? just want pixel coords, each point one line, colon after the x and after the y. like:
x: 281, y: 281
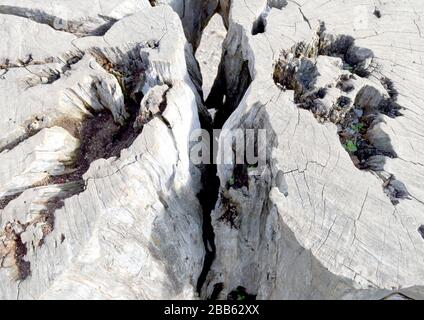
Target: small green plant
x: 357, y: 127
x: 350, y: 146
x: 231, y: 181
x: 241, y: 296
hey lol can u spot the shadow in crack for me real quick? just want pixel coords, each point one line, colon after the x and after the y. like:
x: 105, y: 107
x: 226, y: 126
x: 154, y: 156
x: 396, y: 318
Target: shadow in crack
x: 208, y: 197
x: 225, y: 99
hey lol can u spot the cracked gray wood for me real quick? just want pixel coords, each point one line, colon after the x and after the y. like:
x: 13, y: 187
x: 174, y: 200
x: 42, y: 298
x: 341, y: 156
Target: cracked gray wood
x: 336, y: 213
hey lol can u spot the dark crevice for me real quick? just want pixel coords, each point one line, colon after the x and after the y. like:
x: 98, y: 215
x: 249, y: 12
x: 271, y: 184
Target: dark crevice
x: 58, y: 23
x: 421, y: 231
x: 208, y: 197
x: 46, y: 216
x: 225, y: 98
x: 23, y: 266
x: 29, y: 61
x: 240, y: 177
x: 259, y: 25
x: 305, y: 18
x: 4, y: 201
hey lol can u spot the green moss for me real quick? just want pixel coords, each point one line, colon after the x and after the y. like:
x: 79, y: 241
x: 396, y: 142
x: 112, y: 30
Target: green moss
x: 350, y: 146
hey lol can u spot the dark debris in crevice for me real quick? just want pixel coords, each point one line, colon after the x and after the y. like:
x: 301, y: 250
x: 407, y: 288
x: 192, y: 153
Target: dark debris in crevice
x: 46, y: 217
x: 13, y: 251
x: 296, y: 70
x: 101, y: 138
x: 231, y: 212
x: 259, y: 25
x: 240, y: 177
x: 396, y: 190
x: 208, y: 197
x: 24, y: 267
x: 390, y: 107
x: 240, y: 294
x: 4, y: 201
